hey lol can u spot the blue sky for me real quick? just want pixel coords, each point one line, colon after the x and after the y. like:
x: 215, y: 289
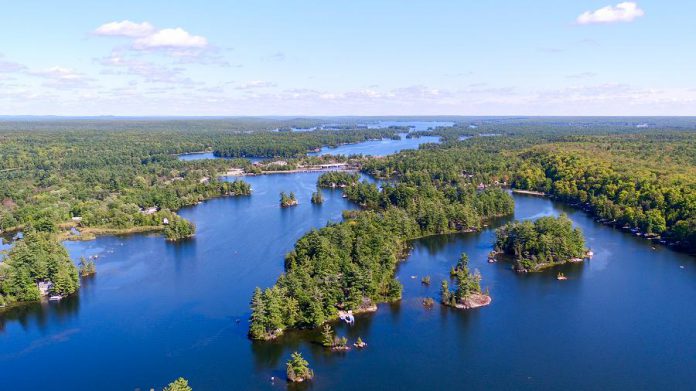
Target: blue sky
x: 374, y: 57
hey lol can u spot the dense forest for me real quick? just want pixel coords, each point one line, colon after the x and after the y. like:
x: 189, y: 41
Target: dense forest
x: 643, y: 183
x: 545, y: 242
x: 293, y: 144
x: 333, y: 179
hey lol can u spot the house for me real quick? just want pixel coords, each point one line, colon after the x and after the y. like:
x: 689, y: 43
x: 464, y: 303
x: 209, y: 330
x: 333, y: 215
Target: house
x: 77, y: 219
x: 165, y: 221
x: 481, y: 186
x: 45, y: 287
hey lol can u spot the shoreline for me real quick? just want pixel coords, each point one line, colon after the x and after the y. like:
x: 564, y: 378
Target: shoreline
x: 530, y: 192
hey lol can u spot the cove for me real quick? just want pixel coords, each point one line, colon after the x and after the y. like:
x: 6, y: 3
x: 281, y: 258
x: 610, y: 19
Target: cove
x: 157, y: 310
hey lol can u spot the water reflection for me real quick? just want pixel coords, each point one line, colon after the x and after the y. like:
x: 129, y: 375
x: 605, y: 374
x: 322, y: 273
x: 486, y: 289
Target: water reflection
x: 41, y: 314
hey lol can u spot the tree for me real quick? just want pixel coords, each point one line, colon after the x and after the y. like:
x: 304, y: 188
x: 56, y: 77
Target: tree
x: 445, y: 293
x: 297, y: 368
x: 179, y: 228
x: 327, y: 335
x: 37, y: 257
x: 258, y: 321
x: 317, y: 197
x: 179, y: 384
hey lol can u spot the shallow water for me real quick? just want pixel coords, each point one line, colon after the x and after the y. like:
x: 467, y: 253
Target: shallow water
x: 157, y: 310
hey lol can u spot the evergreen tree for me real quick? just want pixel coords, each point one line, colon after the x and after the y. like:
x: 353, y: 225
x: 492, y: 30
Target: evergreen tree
x: 327, y: 335
x: 179, y: 384
x: 258, y: 321
x: 297, y: 368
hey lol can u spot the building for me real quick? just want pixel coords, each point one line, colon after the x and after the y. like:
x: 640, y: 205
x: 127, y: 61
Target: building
x: 45, y: 287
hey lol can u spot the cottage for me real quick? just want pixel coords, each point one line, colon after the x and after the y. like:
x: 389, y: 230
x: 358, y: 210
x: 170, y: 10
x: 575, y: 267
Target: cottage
x: 45, y: 287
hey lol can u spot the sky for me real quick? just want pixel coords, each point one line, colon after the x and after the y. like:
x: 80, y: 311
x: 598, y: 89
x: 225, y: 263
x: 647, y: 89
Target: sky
x: 376, y: 57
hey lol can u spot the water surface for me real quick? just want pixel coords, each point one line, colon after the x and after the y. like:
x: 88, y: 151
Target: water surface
x: 157, y: 310
x: 381, y: 147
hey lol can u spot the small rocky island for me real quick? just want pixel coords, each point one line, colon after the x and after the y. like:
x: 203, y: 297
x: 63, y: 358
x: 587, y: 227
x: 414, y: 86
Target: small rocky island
x: 287, y: 200
x: 317, y: 198
x: 467, y: 293
x: 297, y: 369
x: 546, y: 242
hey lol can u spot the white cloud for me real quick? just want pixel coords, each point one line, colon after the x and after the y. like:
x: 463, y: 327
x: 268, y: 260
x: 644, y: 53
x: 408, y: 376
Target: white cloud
x: 175, y: 42
x: 58, y: 73
x: 254, y: 84
x: 176, y: 38
x: 125, y: 28
x: 622, y: 12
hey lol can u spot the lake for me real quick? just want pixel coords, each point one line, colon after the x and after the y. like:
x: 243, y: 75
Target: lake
x: 381, y: 147
x: 372, y: 148
x: 414, y: 125
x: 210, y: 155
x: 157, y: 310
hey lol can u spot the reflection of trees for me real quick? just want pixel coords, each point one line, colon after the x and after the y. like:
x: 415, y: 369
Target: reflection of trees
x: 41, y: 314
x: 271, y: 355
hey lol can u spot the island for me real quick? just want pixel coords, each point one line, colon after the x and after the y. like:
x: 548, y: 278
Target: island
x: 179, y: 229
x: 36, y: 267
x: 87, y: 267
x: 546, y: 242
x: 349, y: 267
x: 467, y: 293
x: 334, y: 179
x: 297, y: 369
x: 287, y: 200
x: 317, y: 198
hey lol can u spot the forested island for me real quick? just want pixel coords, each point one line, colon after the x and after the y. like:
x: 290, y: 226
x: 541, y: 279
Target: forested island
x: 350, y: 265
x: 36, y: 266
x: 287, y: 199
x: 546, y: 242
x: 333, y: 179
x: 467, y: 293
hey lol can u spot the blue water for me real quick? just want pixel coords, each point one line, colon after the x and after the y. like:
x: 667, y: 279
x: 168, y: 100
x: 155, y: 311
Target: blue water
x: 377, y: 147
x: 209, y: 155
x: 414, y: 125
x: 156, y: 310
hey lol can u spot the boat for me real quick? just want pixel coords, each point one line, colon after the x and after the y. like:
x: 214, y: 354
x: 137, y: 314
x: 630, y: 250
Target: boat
x: 55, y: 298
x: 561, y: 277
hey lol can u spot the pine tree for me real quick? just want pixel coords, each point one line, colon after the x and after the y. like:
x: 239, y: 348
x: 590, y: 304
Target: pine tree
x: 445, y: 292
x: 179, y: 384
x: 297, y: 368
x: 257, y: 328
x: 327, y: 336
x: 274, y: 309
